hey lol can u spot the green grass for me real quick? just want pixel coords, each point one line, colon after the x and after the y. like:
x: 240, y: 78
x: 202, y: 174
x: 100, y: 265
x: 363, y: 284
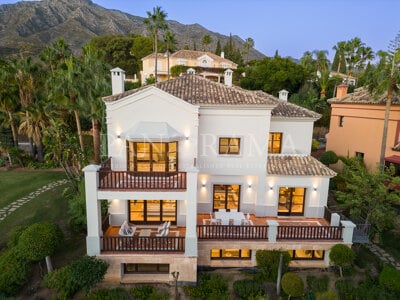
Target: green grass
x: 17, y: 183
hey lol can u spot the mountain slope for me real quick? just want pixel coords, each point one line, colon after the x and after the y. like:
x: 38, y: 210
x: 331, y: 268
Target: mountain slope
x: 28, y: 27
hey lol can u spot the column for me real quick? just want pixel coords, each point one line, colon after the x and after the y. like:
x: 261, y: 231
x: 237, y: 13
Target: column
x: 93, y: 210
x: 191, y: 212
x: 272, y: 230
x: 347, y: 233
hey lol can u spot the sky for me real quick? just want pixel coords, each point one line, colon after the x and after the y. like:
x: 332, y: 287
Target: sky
x: 289, y: 26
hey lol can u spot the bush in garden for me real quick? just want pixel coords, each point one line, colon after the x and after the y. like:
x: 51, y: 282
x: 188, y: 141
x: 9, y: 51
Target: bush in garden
x: 328, y: 158
x: 110, y: 294
x: 370, y: 289
x: 14, y: 236
x: 268, y: 263
x: 147, y: 292
x: 246, y: 288
x: 81, y: 274
x: 209, y: 286
x: 40, y: 240
x: 345, y: 288
x: 327, y: 295
x: 390, y: 279
x: 318, y: 284
x: 292, y: 284
x: 342, y: 256
x: 14, y: 272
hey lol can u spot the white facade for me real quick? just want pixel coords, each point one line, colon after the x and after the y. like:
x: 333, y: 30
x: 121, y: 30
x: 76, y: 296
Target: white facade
x: 201, y: 126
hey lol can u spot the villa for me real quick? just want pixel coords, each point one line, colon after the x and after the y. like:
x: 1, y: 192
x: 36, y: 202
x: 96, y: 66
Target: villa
x: 202, y: 173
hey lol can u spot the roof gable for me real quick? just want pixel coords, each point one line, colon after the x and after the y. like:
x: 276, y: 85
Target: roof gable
x: 361, y: 95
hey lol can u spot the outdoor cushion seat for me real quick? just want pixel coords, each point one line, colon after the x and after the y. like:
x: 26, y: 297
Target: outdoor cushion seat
x: 126, y: 230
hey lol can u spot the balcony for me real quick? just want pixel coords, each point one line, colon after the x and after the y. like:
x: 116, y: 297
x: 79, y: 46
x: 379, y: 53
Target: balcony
x: 129, y: 180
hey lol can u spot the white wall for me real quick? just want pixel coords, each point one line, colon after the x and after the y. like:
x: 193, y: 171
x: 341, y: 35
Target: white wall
x: 296, y: 134
x: 251, y: 126
x: 151, y: 105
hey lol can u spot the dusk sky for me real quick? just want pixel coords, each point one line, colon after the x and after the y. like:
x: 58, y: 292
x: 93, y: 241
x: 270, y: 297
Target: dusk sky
x: 289, y: 26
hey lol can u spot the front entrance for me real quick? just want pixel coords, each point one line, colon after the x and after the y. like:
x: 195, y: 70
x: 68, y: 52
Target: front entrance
x: 291, y: 201
x: 152, y: 211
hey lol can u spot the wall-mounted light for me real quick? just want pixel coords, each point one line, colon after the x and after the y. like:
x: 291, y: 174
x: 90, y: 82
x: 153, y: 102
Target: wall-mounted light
x: 118, y: 136
x: 271, y: 188
x: 315, y: 189
x: 249, y: 186
x: 203, y: 185
x: 186, y: 138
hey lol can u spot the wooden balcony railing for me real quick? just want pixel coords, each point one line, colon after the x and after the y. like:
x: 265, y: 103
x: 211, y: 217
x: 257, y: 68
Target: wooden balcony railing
x: 140, y: 244
x: 232, y: 232
x: 117, y: 180
x: 309, y: 233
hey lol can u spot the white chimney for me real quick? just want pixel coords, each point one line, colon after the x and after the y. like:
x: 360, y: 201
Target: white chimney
x: 228, y: 77
x: 191, y: 71
x: 283, y: 95
x: 222, y: 54
x: 117, y: 81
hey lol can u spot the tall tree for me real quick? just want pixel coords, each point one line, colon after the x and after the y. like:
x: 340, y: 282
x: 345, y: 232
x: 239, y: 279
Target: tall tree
x: 385, y: 79
x: 218, y: 48
x: 155, y: 22
x: 339, y: 62
x: 248, y: 44
x: 170, y: 42
x: 206, y: 41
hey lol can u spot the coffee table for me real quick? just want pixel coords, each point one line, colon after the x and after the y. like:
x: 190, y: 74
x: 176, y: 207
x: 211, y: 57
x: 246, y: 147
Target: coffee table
x: 145, y: 232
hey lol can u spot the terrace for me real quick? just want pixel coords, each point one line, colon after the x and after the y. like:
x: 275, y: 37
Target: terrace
x: 263, y: 229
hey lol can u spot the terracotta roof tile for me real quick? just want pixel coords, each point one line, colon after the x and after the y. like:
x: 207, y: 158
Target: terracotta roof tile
x: 363, y: 96
x: 200, y: 91
x: 297, y: 165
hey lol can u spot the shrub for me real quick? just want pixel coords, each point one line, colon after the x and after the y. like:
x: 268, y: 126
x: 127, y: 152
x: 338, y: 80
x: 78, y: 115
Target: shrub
x: 14, y: 272
x: 209, y: 287
x: 327, y: 295
x: 345, y: 288
x: 390, y: 279
x: 14, y: 236
x: 342, y: 256
x: 314, y: 145
x: 82, y: 273
x: 40, y: 240
x: 77, y: 207
x: 147, y: 292
x: 246, y: 288
x: 370, y: 289
x: 2, y: 162
x: 318, y: 284
x: 292, y: 284
x: 268, y: 263
x: 328, y: 158
x: 109, y: 294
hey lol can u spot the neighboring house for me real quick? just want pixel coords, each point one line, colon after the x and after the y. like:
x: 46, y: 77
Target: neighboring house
x: 206, y: 174
x: 209, y: 65
x: 346, y: 79
x: 356, y: 126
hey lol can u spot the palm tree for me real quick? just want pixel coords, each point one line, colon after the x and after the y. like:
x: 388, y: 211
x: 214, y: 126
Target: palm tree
x: 95, y: 74
x: 170, y: 42
x: 9, y: 97
x: 385, y: 78
x: 248, y: 44
x: 156, y: 21
x: 340, y: 52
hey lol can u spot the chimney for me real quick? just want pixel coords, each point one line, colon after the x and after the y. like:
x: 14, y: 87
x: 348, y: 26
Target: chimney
x: 191, y: 71
x: 341, y: 91
x: 222, y: 54
x: 283, y: 95
x: 228, y: 77
x: 117, y: 81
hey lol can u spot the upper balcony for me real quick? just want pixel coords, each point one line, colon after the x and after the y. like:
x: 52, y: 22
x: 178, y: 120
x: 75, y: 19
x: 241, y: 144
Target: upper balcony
x: 131, y: 180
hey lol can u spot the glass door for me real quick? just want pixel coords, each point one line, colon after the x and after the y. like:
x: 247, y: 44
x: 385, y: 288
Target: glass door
x: 291, y: 201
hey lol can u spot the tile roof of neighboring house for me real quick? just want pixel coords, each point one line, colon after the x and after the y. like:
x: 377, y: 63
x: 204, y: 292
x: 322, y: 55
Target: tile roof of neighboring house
x: 192, y: 54
x: 200, y: 91
x: 297, y: 165
x: 362, y: 96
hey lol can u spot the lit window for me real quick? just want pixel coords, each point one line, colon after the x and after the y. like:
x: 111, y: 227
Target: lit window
x: 275, y: 142
x: 230, y: 254
x: 307, y: 254
x: 229, y: 145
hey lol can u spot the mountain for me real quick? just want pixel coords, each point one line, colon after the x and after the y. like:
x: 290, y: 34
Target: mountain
x: 29, y: 26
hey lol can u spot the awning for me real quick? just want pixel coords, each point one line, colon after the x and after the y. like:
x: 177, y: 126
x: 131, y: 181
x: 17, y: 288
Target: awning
x: 152, y: 132
x: 395, y: 159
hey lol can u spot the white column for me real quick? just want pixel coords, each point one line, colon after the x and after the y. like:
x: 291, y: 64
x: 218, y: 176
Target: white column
x: 272, y: 230
x: 191, y: 212
x: 93, y: 210
x: 335, y: 219
x: 347, y: 233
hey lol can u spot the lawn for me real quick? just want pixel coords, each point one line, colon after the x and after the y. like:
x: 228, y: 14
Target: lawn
x: 17, y: 183
x: 48, y: 206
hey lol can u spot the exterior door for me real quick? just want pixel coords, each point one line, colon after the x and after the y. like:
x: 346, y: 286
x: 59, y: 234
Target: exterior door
x: 152, y: 211
x: 226, y: 196
x: 291, y: 201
